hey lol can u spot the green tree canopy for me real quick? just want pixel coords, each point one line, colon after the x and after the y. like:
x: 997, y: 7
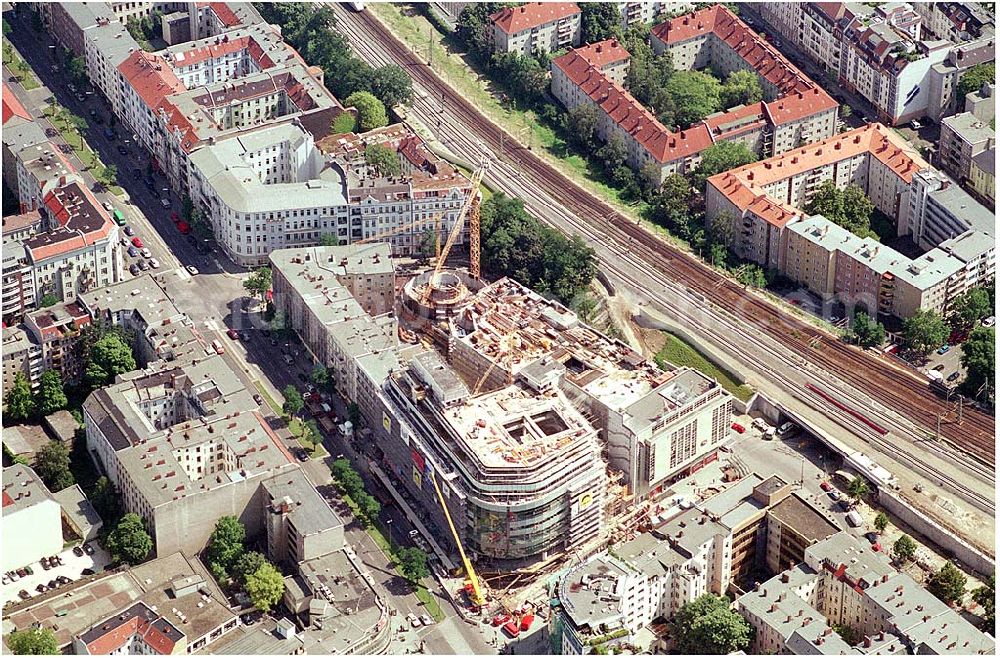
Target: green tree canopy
x: 858, y: 489
x: 225, y: 544
x: 105, y: 499
x: 391, y: 85
x: 18, y: 401
x: 881, y: 522
x: 33, y: 642
x: 52, y: 465
x: 474, y: 28
x: 258, y: 283
x: 368, y: 507
x: 371, y: 111
x: 524, y: 76
x: 383, y: 159
x: 970, y: 307
x: 320, y: 376
x: 986, y: 596
x: 47, y: 300
x: 867, y: 332
x: 948, y: 584
x: 924, y: 330
x: 51, y: 396
x: 518, y: 245
x: 904, y: 548
x: 581, y: 124
x: 265, y: 587
x: 671, y: 208
x: 293, y: 400
x: 741, y: 88
x: 979, y: 359
x: 129, y: 541
x: 973, y: 79
x: 413, y: 564
x: 849, y: 208
x: 718, y: 158
x: 751, y: 275
x: 109, y: 356
x: 344, y: 123
x: 600, y: 21
x: 708, y: 625
x: 694, y: 96
x: 247, y: 564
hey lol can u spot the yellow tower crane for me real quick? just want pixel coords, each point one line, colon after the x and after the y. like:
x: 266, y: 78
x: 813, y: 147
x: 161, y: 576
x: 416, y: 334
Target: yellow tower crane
x: 477, y: 596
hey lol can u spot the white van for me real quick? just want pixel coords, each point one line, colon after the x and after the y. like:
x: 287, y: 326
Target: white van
x: 217, y: 346
x: 787, y: 428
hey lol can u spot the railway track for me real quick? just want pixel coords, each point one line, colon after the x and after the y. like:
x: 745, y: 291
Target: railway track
x: 897, y: 390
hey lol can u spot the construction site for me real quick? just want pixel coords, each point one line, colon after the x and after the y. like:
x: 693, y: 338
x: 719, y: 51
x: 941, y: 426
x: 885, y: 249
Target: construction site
x: 527, y: 433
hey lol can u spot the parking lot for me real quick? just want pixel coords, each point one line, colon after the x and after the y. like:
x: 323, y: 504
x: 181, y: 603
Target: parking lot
x: 72, y: 567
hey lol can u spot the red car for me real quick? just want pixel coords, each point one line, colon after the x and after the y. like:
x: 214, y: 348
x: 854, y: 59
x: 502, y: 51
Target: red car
x: 500, y: 620
x: 512, y: 629
x: 526, y: 621
x: 739, y: 428
x: 825, y: 486
x: 137, y: 242
x: 184, y: 227
x: 232, y: 334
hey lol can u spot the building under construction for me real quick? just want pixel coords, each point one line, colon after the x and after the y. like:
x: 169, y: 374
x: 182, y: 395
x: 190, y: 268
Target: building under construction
x: 531, y: 428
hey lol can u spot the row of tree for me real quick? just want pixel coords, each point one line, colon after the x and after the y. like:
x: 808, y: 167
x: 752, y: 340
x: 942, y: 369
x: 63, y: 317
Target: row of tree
x: 235, y: 567
x: 352, y: 486
x: 311, y: 30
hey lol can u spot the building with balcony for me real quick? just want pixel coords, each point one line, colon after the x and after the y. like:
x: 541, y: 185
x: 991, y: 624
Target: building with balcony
x: 56, y: 330
x: 536, y: 27
x: 955, y: 21
x: 982, y: 180
x: 21, y: 355
x: 963, y: 137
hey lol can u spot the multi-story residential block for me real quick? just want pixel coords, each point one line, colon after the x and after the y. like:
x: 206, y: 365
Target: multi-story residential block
x: 762, y: 202
x: 21, y: 355
x: 718, y: 544
x: 843, y: 583
x: 18, y: 283
x: 32, y: 519
x: 56, y: 330
x: 982, y: 103
x: 536, y: 27
x: 644, y: 13
x: 795, y: 111
x: 299, y: 524
x: 982, y: 179
x: 17, y: 228
x: 944, y: 76
x: 963, y: 137
x: 954, y: 21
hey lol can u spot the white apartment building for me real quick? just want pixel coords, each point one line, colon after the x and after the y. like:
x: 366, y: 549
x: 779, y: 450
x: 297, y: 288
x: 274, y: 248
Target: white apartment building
x: 32, y: 519
x: 536, y: 27
x: 643, y: 13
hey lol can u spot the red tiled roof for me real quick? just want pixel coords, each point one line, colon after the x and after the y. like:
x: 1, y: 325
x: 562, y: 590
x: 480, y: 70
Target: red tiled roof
x: 12, y: 106
x: 82, y: 222
x: 744, y: 186
x: 688, y: 26
x: 222, y: 47
x: 7, y: 500
x: 602, y: 53
x: 832, y: 10
x: 151, y: 77
x: 226, y: 15
x: 532, y: 14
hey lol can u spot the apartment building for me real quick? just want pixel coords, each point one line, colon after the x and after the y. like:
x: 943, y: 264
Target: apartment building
x: 954, y: 21
x: 842, y: 582
x: 763, y: 202
x: 32, y: 519
x: 21, y: 355
x: 963, y: 136
x: 298, y: 523
x: 796, y: 110
x: 56, y: 331
x: 614, y: 597
x: 944, y: 76
x: 982, y: 180
x: 536, y: 27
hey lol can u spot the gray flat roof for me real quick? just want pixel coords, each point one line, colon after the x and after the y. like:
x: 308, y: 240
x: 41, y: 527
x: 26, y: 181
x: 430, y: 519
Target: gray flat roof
x: 22, y: 489
x: 803, y: 518
x: 591, y: 594
x: 310, y: 514
x: 969, y: 127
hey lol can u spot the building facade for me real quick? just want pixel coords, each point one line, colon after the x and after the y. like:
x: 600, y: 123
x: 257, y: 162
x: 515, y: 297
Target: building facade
x: 536, y: 27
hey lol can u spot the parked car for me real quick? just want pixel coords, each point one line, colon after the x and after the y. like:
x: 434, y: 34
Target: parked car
x: 41, y: 589
x: 122, y: 150
x: 192, y: 270
x: 165, y: 203
x: 174, y: 217
x: 232, y: 334
x: 128, y: 230
x: 426, y: 620
x: 88, y: 549
x: 257, y: 398
x: 107, y: 206
x: 834, y: 494
x: 825, y: 486
x: 87, y: 572
x: 143, y: 265
x: 990, y: 321
x: 953, y: 376
x: 146, y: 253
x: 45, y: 563
x: 154, y: 264
x: 739, y: 429
x: 939, y: 367
x: 77, y: 551
x: 944, y: 349
x: 137, y: 241
x: 133, y: 269
x: 23, y: 594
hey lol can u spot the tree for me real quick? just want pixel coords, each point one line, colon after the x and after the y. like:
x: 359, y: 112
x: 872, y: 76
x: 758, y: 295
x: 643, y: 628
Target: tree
x: 391, y: 85
x: 600, y: 21
x: 581, y: 124
x: 979, y: 360
x: 265, y: 587
x: 33, y: 642
x: 741, y: 88
x: 371, y: 111
x: 340, y: 468
x: 849, y: 208
x: 77, y: 124
x: 708, y: 625
x: 18, y: 402
x: 105, y: 498
x: 904, y: 548
x: 474, y: 29
x: 368, y: 507
x: 310, y: 432
x: 719, y: 256
x: 293, y: 401
x: 354, y: 415
x: 110, y: 175
x: 974, y: 79
x: 718, y: 158
x: 613, y: 154
x: 225, y: 544
x: 247, y: 564
x: 328, y: 240
x: 47, y: 300
x: 694, y: 95
x: 320, y: 376
x: 129, y: 541
x: 413, y: 564
x: 524, y: 76
x: 948, y: 584
x: 108, y: 357
x: 867, y: 332
x: 969, y: 308
x: 344, y: 123
x: 51, y: 396
x: 752, y: 275
x: 258, y: 283
x: 881, y: 522
x: 858, y: 489
x: 52, y: 465
x: 986, y: 597
x: 924, y: 330
x: 845, y: 111
x: 383, y: 159
x: 649, y: 179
